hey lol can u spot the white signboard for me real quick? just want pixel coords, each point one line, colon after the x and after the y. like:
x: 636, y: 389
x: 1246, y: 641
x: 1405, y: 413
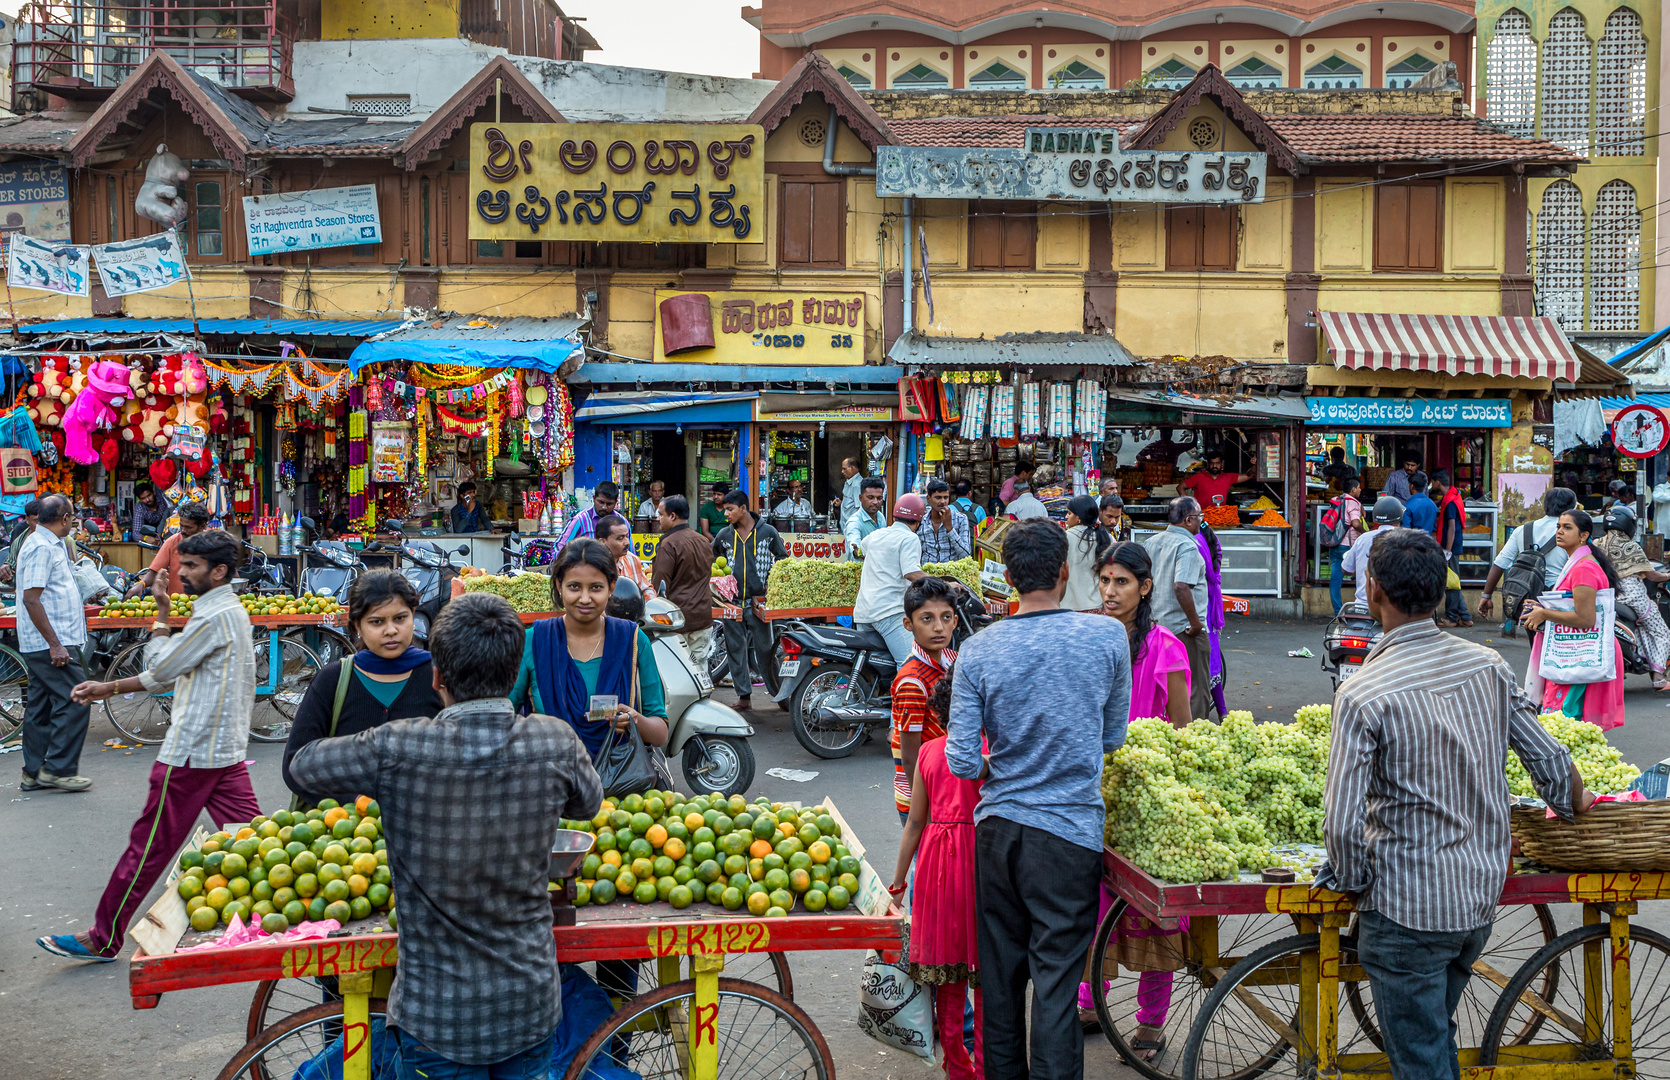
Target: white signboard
x: 35, y: 198
x: 133, y: 266
x: 59, y: 268
x: 1070, y: 165
x: 308, y: 220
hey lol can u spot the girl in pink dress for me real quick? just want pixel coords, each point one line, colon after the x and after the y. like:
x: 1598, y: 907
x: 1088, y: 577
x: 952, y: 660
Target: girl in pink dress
x: 1587, y: 571
x: 944, y: 947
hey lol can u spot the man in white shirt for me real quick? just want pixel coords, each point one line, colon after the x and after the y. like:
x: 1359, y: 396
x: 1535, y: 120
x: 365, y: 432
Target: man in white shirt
x: 1025, y: 504
x: 797, y: 504
x: 1387, y: 511
x: 1555, y: 501
x: 849, y: 488
x: 892, y: 560
x: 651, y: 507
x: 872, y: 493
x: 50, y: 632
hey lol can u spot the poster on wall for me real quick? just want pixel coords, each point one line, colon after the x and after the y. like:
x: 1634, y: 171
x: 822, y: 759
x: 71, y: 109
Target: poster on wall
x: 35, y: 198
x: 59, y: 268
x: 1520, y: 497
x: 309, y: 220
x: 135, y: 266
x: 390, y: 442
x: 772, y: 328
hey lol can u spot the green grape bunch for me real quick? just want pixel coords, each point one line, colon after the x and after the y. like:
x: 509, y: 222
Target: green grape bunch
x: 1602, y: 767
x: 812, y: 583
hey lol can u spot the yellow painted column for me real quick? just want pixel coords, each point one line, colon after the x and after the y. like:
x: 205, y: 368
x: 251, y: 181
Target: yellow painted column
x: 356, y: 1024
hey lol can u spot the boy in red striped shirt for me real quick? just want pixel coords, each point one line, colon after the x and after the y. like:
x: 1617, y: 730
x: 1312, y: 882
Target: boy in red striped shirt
x: 931, y: 617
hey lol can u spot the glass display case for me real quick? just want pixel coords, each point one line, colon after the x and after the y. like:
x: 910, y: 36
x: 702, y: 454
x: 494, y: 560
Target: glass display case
x: 1478, y: 542
x: 1252, y: 559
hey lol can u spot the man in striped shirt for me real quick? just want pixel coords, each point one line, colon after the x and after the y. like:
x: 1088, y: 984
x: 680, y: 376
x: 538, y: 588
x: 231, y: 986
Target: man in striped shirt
x: 1417, y: 802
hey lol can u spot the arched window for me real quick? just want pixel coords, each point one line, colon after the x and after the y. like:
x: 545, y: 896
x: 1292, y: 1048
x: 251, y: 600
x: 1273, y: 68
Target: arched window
x: 1171, y: 75
x: 1408, y: 71
x: 1615, y: 260
x: 1567, y: 74
x: 1334, y: 73
x: 999, y: 76
x: 1254, y: 74
x: 1621, y: 90
x: 1077, y: 76
x: 1560, y: 255
x: 858, y: 79
x: 920, y: 77
x: 1510, y: 75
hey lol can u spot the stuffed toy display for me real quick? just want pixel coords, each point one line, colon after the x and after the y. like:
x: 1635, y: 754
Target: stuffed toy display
x: 47, y: 393
x: 159, y: 197
x: 107, y: 389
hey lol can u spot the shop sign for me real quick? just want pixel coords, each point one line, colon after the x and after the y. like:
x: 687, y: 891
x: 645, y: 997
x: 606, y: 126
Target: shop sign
x: 1070, y: 165
x: 310, y: 220
x: 775, y: 328
x: 800, y: 545
x: 634, y: 183
x: 851, y: 412
x: 35, y: 199
x: 1640, y: 431
x: 1411, y: 412
x: 135, y: 266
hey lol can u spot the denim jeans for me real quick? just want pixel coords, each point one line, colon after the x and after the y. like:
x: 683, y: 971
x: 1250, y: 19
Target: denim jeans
x: 1336, y: 574
x: 1416, y: 978
x: 899, y: 640
x: 415, y: 1061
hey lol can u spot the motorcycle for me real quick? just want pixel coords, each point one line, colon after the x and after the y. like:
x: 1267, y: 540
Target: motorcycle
x: 1347, y: 641
x: 839, y: 681
x: 430, y: 571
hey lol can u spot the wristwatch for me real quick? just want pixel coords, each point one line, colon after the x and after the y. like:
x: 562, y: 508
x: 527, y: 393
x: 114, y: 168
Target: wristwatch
x: 160, y: 624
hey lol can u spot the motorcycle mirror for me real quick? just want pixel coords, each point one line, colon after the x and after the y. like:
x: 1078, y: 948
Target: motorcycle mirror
x: 306, y: 523
x: 463, y: 549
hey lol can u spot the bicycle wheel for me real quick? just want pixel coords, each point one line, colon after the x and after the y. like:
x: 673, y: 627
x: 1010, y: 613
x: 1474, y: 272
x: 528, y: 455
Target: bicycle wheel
x: 1249, y: 1023
x: 140, y: 716
x: 1183, y: 993
x: 768, y: 969
x: 282, y: 674
x: 277, y: 998
x: 328, y: 645
x: 1577, y: 1026
x: 14, y: 688
x: 761, y: 1034
x: 281, y: 1051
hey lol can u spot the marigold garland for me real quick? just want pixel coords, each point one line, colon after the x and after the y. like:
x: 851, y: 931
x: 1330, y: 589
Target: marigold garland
x: 492, y: 431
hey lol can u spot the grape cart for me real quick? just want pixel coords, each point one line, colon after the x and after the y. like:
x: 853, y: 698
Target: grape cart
x: 1249, y: 978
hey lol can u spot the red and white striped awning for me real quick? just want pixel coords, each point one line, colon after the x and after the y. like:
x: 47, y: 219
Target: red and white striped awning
x: 1453, y: 344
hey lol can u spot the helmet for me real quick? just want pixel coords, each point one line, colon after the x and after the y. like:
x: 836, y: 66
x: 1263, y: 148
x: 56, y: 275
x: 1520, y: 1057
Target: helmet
x: 1620, y: 517
x: 910, y: 507
x: 627, y: 601
x: 1388, y: 510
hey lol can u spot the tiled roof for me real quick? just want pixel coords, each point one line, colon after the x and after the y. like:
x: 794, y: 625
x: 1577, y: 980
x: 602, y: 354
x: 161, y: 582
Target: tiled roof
x: 1321, y: 139
x: 41, y: 131
x: 338, y: 136
x: 1007, y: 131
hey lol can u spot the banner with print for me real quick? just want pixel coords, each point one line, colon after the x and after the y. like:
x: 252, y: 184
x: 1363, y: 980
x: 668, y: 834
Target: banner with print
x: 59, y: 268
x: 135, y: 266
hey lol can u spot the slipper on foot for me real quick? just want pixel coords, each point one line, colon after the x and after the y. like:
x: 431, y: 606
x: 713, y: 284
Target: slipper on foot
x: 70, y: 947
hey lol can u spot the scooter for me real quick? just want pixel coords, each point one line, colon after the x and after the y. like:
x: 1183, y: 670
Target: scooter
x: 429, y: 568
x: 839, y: 681
x: 1347, y: 641
x: 710, y: 738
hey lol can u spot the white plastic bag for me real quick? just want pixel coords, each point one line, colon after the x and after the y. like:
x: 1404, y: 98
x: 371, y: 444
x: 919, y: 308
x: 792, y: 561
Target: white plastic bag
x: 892, y: 1009
x: 1571, y: 655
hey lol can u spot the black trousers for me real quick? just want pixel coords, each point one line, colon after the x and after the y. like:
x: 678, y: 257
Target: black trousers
x: 54, y: 727
x: 1036, y: 899
x: 739, y: 635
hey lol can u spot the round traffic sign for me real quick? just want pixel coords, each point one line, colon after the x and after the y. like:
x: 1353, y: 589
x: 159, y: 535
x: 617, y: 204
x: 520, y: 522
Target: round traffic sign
x: 1640, y: 431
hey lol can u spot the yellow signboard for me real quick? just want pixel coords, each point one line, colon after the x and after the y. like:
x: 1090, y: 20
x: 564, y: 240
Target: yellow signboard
x: 775, y: 328
x: 634, y: 183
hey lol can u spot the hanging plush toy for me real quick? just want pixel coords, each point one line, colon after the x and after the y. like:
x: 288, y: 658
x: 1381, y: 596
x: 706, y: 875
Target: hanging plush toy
x: 190, y: 440
x: 163, y: 473
x: 46, y: 401
x: 107, y: 390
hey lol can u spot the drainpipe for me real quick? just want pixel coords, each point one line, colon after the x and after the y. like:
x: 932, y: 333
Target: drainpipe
x: 844, y: 169
x: 910, y: 279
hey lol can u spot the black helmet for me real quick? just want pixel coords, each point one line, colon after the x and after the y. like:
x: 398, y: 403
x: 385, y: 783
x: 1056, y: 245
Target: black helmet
x: 1621, y: 518
x: 1388, y: 510
x: 627, y: 602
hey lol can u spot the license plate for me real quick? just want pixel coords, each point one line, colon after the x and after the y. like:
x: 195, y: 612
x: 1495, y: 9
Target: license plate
x: 703, y: 682
x: 1347, y: 670
x: 789, y: 669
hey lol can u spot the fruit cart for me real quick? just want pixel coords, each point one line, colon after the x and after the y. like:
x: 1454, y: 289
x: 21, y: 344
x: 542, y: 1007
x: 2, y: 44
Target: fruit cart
x: 1256, y: 977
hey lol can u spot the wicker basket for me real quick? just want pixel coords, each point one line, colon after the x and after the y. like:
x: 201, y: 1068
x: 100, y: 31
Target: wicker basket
x: 1610, y: 837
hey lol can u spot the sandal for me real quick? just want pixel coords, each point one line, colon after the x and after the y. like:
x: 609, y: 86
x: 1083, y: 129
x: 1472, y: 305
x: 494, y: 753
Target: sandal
x: 1152, y: 1047
x: 1468, y: 625
x: 1443, y: 624
x: 1089, y: 1021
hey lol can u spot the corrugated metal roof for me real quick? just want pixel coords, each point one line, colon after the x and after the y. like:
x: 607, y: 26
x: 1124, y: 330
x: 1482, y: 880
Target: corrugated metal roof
x: 1016, y: 350
x: 477, y: 341
x: 483, y: 328
x: 1661, y: 401
x: 248, y: 327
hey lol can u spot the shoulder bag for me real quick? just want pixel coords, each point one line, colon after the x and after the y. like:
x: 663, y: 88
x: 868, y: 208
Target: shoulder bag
x: 1524, y: 579
x: 625, y: 763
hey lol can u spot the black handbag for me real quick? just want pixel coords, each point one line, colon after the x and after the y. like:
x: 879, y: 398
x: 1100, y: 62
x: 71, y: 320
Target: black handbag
x: 625, y: 763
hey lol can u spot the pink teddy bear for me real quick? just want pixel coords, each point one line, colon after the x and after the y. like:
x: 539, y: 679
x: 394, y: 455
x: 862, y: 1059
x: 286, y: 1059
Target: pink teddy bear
x: 109, y: 387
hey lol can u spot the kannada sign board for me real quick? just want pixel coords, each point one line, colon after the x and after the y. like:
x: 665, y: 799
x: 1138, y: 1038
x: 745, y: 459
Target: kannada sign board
x: 59, y: 268
x: 1640, y: 431
x: 135, y: 266
x: 35, y: 199
x: 1071, y: 165
x: 309, y: 220
x: 637, y: 183
x: 776, y: 328
x: 1410, y: 412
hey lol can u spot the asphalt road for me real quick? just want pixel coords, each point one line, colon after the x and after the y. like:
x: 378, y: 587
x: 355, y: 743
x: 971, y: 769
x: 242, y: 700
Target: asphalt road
x: 65, y: 1020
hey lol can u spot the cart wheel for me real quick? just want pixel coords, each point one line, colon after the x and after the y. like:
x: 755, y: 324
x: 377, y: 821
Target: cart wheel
x: 328, y: 645
x: 1116, y: 1006
x: 277, y: 998
x: 281, y: 681
x: 768, y: 969
x: 1516, y: 935
x: 140, y: 716
x: 1567, y: 1035
x: 1249, y: 1023
x: 14, y: 687
x: 282, y: 1050
x: 760, y: 1032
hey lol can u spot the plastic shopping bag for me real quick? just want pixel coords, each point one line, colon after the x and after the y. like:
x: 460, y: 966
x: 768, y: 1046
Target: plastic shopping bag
x: 1571, y: 655
x: 892, y: 1009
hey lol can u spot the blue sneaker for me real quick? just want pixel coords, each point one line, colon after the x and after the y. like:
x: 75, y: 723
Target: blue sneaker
x: 70, y: 947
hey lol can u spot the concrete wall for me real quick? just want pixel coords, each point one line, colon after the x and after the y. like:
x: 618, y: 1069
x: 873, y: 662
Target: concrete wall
x: 429, y: 69
x: 603, y: 93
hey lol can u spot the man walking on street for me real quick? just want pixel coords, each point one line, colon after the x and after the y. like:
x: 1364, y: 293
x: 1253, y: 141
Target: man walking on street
x: 752, y: 547
x: 1180, y: 594
x: 50, y: 636
x: 1040, y: 820
x: 892, y: 560
x: 210, y: 666
x: 681, y: 571
x: 850, y: 488
x: 870, y: 517
x: 1416, y: 824
x: 945, y: 536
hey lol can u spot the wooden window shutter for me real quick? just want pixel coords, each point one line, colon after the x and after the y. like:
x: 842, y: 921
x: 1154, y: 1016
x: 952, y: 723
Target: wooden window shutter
x: 1391, y: 227
x: 1424, y: 225
x: 829, y: 222
x: 1019, y: 234
x: 1183, y: 238
x: 985, y: 240
x: 1407, y: 223
x: 1218, y: 228
x: 813, y: 222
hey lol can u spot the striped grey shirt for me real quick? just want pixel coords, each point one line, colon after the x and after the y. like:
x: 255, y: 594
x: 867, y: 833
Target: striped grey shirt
x: 1417, y: 801
x: 210, y: 665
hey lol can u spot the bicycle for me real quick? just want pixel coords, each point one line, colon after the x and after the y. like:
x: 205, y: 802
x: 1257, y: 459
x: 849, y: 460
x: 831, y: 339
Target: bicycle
x: 14, y: 690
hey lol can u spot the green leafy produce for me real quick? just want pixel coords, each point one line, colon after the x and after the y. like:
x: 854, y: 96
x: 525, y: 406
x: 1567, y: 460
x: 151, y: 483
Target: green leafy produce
x: 966, y: 571
x: 526, y: 592
x: 812, y: 583
x: 1603, y: 769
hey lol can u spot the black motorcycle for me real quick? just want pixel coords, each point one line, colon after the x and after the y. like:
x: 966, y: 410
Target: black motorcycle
x: 1350, y: 636
x: 838, y: 682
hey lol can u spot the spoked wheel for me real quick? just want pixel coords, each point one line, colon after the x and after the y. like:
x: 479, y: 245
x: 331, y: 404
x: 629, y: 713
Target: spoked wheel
x: 719, y: 658
x: 760, y: 1033
x: 1249, y: 1026
x: 832, y: 685
x: 1171, y: 999
x: 277, y: 998
x: 328, y: 645
x: 282, y: 675
x: 1517, y: 933
x: 767, y: 969
x: 282, y: 1051
x: 140, y: 716
x: 14, y: 686
x: 1574, y: 1023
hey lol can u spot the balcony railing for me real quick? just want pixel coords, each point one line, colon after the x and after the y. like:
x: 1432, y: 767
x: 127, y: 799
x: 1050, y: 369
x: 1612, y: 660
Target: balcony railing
x: 86, y: 48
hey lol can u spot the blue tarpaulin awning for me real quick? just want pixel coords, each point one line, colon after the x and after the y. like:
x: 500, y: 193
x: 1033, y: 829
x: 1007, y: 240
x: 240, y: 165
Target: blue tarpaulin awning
x: 475, y: 341
x: 247, y: 327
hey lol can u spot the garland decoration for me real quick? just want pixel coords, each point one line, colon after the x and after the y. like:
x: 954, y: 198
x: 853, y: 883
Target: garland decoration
x: 492, y: 431
x: 472, y: 427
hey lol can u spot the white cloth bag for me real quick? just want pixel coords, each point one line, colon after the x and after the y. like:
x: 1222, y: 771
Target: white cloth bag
x: 1570, y: 655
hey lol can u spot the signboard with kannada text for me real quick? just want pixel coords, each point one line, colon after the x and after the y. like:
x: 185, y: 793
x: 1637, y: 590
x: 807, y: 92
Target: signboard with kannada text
x: 1410, y: 412
x: 35, y: 198
x: 1070, y: 165
x: 800, y: 545
x: 633, y: 183
x: 775, y: 328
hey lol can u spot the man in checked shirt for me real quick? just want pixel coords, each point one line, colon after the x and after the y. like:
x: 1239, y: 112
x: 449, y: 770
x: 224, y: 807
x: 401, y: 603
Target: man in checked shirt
x: 1417, y: 803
